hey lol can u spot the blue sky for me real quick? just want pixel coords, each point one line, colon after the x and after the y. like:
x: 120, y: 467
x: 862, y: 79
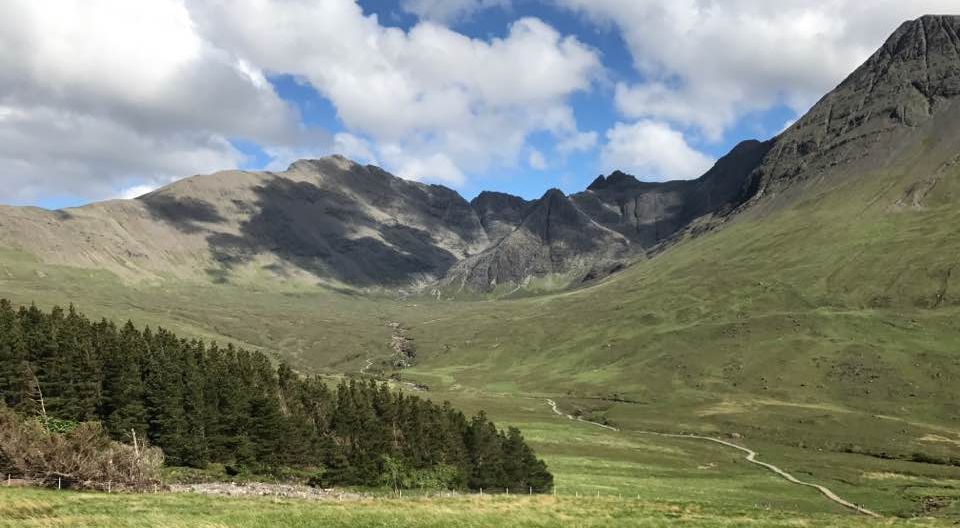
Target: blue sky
x: 594, y: 109
x: 510, y: 95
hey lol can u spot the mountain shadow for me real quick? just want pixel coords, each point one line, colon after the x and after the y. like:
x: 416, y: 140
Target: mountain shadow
x: 327, y: 233
x: 181, y: 213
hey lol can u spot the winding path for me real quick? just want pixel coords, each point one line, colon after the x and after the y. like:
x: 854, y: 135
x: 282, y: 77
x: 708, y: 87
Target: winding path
x: 751, y: 457
x: 366, y: 367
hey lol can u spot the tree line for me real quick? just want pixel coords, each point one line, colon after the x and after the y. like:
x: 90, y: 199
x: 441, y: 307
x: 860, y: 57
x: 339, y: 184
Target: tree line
x: 202, y: 403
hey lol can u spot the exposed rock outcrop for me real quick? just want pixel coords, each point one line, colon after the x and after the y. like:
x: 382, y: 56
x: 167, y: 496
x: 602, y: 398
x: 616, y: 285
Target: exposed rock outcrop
x: 870, y: 118
x: 499, y: 213
x: 554, y: 238
x: 649, y: 213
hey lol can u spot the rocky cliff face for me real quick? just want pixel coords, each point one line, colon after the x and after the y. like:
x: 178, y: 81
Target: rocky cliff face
x: 590, y: 234
x: 648, y: 214
x: 872, y: 117
x: 553, y: 237
x: 499, y: 213
x: 346, y: 225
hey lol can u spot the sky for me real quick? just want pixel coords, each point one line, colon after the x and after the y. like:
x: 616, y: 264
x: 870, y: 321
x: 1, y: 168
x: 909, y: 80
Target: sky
x: 104, y: 99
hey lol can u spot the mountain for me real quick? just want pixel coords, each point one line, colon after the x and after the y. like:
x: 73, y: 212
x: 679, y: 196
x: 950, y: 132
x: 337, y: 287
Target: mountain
x: 330, y: 220
x: 650, y: 213
x: 335, y: 222
x: 903, y: 95
x: 552, y: 237
x: 499, y: 213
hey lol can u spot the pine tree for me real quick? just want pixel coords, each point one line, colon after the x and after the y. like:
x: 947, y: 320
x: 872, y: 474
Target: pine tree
x: 14, y: 368
x: 486, y: 454
x: 202, y: 404
x: 80, y: 376
x: 163, y: 395
x: 122, y: 406
x: 267, y: 431
x: 193, y: 449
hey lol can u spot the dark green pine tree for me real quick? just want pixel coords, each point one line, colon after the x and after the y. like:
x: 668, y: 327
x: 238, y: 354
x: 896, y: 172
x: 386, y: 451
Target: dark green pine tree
x: 522, y: 469
x: 47, y: 375
x: 341, y: 444
x: 228, y: 388
x: 300, y: 442
x: 193, y: 450
x: 335, y: 462
x: 122, y: 406
x: 486, y: 454
x: 81, y: 375
x: 163, y: 395
x: 267, y: 431
x: 219, y: 428
x: 376, y: 411
x: 455, y: 453
x: 15, y: 372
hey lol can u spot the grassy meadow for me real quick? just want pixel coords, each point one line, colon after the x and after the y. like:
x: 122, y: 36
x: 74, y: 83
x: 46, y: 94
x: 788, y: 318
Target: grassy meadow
x: 42, y: 508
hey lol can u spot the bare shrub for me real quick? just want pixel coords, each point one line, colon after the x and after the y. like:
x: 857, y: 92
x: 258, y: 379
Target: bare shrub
x: 81, y: 456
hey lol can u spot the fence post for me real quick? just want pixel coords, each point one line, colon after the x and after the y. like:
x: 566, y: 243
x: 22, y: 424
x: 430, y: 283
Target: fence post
x: 58, y: 483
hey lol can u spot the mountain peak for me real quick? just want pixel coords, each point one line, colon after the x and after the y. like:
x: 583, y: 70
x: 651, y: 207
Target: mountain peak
x: 551, y: 236
x: 911, y: 80
x: 553, y: 193
x: 311, y: 164
x: 615, y: 179
x: 935, y: 18
x: 598, y: 183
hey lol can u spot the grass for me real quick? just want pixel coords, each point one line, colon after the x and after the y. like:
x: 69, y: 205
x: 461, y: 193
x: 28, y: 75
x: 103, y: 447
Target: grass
x: 822, y: 329
x: 24, y: 508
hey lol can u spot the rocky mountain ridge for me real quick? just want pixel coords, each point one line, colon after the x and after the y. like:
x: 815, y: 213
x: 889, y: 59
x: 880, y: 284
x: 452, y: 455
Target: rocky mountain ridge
x: 344, y: 225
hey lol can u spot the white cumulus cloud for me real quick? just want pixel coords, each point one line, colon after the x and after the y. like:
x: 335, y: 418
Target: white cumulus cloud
x: 429, y: 93
x: 707, y: 63
x: 652, y: 151
x: 577, y: 142
x: 101, y: 95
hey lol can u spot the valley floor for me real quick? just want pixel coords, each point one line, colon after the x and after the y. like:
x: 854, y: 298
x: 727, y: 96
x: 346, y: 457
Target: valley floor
x: 587, y: 459
x: 507, y: 359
